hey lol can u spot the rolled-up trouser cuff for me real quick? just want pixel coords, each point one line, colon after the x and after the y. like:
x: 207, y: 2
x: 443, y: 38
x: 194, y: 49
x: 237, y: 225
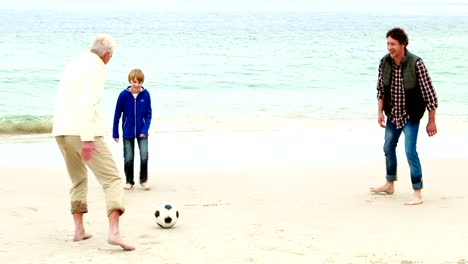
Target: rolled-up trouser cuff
x: 121, y: 210
x: 79, y: 207
x: 417, y: 186
x: 391, y: 178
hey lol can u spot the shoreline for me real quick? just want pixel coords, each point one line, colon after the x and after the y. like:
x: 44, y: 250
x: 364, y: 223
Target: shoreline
x: 264, y: 123
x: 328, y: 143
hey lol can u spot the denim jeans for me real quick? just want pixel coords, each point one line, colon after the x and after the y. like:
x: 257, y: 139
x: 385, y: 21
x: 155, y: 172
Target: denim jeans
x: 129, y: 155
x: 392, y: 134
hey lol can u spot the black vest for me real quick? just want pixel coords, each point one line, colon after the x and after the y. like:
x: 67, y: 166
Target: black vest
x: 414, y: 102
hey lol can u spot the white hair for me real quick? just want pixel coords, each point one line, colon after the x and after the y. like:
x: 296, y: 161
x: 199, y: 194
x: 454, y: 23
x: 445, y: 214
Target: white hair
x: 101, y: 44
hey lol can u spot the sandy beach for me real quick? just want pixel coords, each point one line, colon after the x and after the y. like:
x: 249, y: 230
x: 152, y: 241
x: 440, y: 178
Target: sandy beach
x: 263, y: 131
x: 291, y: 196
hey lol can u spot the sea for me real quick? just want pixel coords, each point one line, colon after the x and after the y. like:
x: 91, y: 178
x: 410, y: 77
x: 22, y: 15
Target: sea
x: 227, y: 70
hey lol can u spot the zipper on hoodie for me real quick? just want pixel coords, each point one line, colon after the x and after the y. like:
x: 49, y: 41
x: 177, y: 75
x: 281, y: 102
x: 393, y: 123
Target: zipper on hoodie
x: 134, y: 114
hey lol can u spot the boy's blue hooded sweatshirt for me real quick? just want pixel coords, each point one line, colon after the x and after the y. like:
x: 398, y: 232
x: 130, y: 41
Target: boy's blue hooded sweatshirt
x: 135, y: 113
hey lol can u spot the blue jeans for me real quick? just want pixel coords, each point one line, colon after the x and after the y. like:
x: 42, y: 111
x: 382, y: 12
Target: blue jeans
x: 392, y: 134
x: 129, y: 154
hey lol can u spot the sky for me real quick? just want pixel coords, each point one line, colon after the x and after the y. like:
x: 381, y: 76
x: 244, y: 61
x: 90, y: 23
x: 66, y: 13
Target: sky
x: 380, y: 6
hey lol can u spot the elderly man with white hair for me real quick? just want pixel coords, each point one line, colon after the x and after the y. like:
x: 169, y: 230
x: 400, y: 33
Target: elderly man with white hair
x: 78, y: 131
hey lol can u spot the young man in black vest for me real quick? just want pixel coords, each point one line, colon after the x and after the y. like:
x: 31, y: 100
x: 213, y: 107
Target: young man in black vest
x: 404, y: 92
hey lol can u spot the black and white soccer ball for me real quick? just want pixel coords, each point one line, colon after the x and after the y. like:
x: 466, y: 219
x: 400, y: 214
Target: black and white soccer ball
x: 166, y: 215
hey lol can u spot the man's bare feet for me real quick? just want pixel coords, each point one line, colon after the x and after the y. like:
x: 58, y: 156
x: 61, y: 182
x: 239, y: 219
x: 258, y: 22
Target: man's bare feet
x: 115, y: 239
x: 128, y: 186
x: 387, y: 188
x: 81, y: 236
x: 415, y: 199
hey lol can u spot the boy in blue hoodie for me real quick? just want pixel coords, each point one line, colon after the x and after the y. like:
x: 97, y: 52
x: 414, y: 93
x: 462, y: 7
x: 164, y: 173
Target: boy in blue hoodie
x: 134, y: 106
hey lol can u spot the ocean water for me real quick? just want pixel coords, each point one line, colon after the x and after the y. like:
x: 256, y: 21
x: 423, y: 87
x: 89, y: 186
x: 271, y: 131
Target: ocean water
x: 235, y: 71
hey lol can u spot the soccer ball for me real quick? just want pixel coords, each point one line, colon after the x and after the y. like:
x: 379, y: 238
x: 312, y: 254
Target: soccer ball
x: 166, y: 215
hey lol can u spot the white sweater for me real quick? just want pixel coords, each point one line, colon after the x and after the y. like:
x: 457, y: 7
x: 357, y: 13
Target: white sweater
x: 78, y: 105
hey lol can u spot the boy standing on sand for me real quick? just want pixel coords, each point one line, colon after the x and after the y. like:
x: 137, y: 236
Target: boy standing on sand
x: 134, y: 106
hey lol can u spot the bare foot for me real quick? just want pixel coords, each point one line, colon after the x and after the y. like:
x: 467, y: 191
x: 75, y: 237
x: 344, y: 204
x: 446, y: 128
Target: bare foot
x: 81, y: 236
x: 387, y: 188
x: 415, y: 199
x: 146, y: 186
x: 115, y: 239
x: 128, y: 186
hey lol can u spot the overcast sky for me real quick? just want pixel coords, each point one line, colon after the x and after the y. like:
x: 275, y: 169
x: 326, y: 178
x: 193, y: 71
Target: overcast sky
x: 399, y: 6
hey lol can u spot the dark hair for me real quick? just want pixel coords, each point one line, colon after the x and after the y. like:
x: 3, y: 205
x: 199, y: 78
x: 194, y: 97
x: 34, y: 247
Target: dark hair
x: 398, y: 34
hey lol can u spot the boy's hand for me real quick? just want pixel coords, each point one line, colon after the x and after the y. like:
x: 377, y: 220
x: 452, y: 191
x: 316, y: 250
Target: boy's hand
x: 142, y: 135
x: 116, y: 140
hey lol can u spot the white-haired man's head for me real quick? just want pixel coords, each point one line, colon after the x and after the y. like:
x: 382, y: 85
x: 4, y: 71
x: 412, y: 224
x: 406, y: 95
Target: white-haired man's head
x: 103, y: 45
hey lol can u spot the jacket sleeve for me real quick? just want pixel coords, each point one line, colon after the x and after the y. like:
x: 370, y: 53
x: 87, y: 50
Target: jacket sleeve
x: 117, y: 115
x: 148, y: 116
x: 427, y: 89
x: 380, y: 86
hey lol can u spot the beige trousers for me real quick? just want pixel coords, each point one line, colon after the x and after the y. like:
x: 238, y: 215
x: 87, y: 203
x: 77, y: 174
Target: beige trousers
x: 103, y: 167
